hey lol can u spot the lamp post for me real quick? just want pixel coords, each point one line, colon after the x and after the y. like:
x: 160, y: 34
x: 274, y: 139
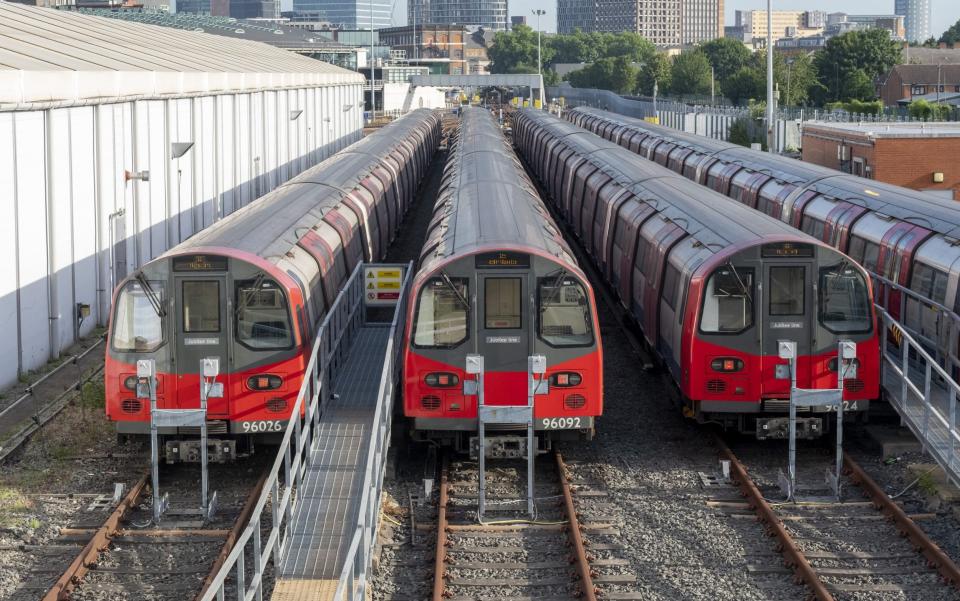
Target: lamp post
x: 538, y: 12
x: 770, y: 130
x: 789, y: 70
x: 373, y: 97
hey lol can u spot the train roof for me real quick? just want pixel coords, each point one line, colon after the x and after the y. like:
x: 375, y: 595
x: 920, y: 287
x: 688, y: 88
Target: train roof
x: 486, y: 200
x: 708, y: 216
x: 928, y: 211
x: 271, y: 225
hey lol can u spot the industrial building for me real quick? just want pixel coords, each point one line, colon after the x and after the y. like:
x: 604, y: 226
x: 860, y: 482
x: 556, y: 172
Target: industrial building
x: 119, y: 140
x: 921, y: 156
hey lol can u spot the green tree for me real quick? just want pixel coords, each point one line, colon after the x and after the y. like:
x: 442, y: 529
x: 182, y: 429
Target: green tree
x: 928, y: 111
x: 609, y: 73
x: 952, y: 35
x: 727, y: 56
x: 869, y: 51
x: 632, y: 45
x: 515, y: 51
x: 746, y: 84
x: 656, y: 68
x: 577, y: 47
x: 690, y: 74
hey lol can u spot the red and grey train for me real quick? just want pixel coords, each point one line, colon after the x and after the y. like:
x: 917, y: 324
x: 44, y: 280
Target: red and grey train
x: 496, y: 279
x: 712, y: 284
x: 905, y: 236
x: 253, y: 288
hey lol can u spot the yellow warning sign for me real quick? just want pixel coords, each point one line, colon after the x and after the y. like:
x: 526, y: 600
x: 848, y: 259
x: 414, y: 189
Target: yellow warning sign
x: 383, y: 285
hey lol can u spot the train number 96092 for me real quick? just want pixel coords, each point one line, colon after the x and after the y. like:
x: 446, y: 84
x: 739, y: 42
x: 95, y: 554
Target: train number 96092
x: 560, y: 423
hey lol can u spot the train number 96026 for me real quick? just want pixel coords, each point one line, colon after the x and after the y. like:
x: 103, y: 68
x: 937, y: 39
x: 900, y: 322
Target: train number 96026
x: 560, y: 423
x: 261, y: 426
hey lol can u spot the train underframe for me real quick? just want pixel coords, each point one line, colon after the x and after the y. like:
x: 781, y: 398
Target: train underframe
x: 183, y: 445
x: 770, y: 418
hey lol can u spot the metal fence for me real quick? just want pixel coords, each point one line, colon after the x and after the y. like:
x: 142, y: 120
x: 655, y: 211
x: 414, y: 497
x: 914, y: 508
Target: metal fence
x: 274, y: 509
x: 924, y: 395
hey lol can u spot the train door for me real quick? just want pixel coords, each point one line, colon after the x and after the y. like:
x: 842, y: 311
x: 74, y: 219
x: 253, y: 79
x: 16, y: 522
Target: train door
x: 504, y: 336
x: 788, y: 310
x: 202, y: 328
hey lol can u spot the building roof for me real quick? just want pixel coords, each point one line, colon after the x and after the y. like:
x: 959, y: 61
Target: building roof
x: 878, y: 130
x: 927, y: 74
x: 951, y: 98
x: 63, y: 57
x: 930, y: 56
x: 281, y: 36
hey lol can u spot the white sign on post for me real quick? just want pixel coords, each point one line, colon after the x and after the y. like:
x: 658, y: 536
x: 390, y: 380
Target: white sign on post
x: 382, y: 285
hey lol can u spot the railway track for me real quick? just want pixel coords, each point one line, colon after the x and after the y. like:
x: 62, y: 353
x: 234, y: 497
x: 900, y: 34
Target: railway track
x: 566, y: 552
x: 125, y: 556
x: 862, y: 546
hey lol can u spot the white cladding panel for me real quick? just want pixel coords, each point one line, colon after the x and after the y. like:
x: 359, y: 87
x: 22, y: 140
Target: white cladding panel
x: 75, y: 226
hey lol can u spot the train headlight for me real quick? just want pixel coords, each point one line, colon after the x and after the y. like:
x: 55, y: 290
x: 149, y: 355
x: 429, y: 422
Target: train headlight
x: 264, y: 382
x: 565, y: 379
x: 726, y: 364
x: 441, y: 380
x: 130, y: 383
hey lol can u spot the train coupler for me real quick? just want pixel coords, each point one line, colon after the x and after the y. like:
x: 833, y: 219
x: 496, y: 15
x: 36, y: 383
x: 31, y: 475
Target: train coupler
x: 778, y: 428
x: 188, y: 451
x: 499, y: 447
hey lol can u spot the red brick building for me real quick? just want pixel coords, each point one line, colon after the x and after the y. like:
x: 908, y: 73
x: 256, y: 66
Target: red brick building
x: 907, y: 81
x: 915, y: 155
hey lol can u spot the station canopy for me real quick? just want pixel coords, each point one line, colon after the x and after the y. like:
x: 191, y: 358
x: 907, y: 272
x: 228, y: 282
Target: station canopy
x: 63, y: 57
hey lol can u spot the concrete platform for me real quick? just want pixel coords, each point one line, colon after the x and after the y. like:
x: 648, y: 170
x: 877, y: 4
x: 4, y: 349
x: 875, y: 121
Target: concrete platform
x: 893, y: 440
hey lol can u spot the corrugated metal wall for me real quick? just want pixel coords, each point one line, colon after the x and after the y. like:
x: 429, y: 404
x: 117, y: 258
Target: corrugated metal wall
x: 71, y: 225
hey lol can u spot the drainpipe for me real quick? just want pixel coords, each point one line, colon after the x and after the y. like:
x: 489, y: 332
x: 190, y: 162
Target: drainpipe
x: 53, y: 313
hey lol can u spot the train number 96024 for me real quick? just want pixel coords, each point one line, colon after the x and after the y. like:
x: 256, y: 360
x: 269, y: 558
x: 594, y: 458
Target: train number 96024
x: 560, y: 423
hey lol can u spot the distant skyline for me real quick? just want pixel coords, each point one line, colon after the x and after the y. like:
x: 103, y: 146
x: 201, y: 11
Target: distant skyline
x: 945, y: 12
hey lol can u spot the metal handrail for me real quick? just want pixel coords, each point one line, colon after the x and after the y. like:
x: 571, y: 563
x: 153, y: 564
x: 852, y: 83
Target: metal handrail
x: 359, y: 555
x: 935, y: 428
x: 293, y: 455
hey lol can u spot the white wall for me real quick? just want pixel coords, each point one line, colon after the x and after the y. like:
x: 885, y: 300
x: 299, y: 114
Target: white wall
x: 71, y: 226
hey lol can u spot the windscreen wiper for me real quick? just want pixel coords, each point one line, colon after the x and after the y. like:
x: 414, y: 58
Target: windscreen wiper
x: 449, y: 283
x: 248, y: 294
x: 152, y: 296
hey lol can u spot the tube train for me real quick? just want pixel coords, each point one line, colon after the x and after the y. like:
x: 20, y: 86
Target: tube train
x: 496, y: 279
x: 712, y: 284
x: 907, y: 237
x: 253, y: 288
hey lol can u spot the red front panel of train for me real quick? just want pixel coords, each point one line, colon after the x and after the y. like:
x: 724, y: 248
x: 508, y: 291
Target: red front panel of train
x: 501, y: 388
x: 757, y: 379
x: 239, y: 403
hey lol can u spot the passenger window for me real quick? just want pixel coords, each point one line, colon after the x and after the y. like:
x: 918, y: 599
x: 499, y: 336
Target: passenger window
x: 263, y: 322
x: 929, y: 282
x: 728, y: 301
x: 812, y: 226
x: 670, y: 286
x: 442, y: 313
x: 501, y: 304
x: 201, y: 306
x: 787, y: 290
x: 564, y: 312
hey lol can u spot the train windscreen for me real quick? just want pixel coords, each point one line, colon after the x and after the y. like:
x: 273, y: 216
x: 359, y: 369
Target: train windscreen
x: 137, y: 320
x: 844, y: 301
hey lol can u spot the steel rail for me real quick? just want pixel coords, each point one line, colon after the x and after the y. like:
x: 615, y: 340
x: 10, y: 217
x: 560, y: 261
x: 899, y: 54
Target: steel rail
x: 100, y: 540
x: 793, y: 556
x: 587, y: 588
x: 439, y: 571
x: 238, y: 527
x: 921, y: 542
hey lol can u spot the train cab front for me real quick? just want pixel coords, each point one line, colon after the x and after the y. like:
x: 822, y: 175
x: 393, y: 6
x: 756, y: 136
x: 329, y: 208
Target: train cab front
x: 181, y: 310
x: 475, y: 323
x: 751, y: 302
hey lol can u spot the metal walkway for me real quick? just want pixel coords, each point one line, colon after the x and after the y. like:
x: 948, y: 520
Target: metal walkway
x: 325, y: 518
x: 315, y: 523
